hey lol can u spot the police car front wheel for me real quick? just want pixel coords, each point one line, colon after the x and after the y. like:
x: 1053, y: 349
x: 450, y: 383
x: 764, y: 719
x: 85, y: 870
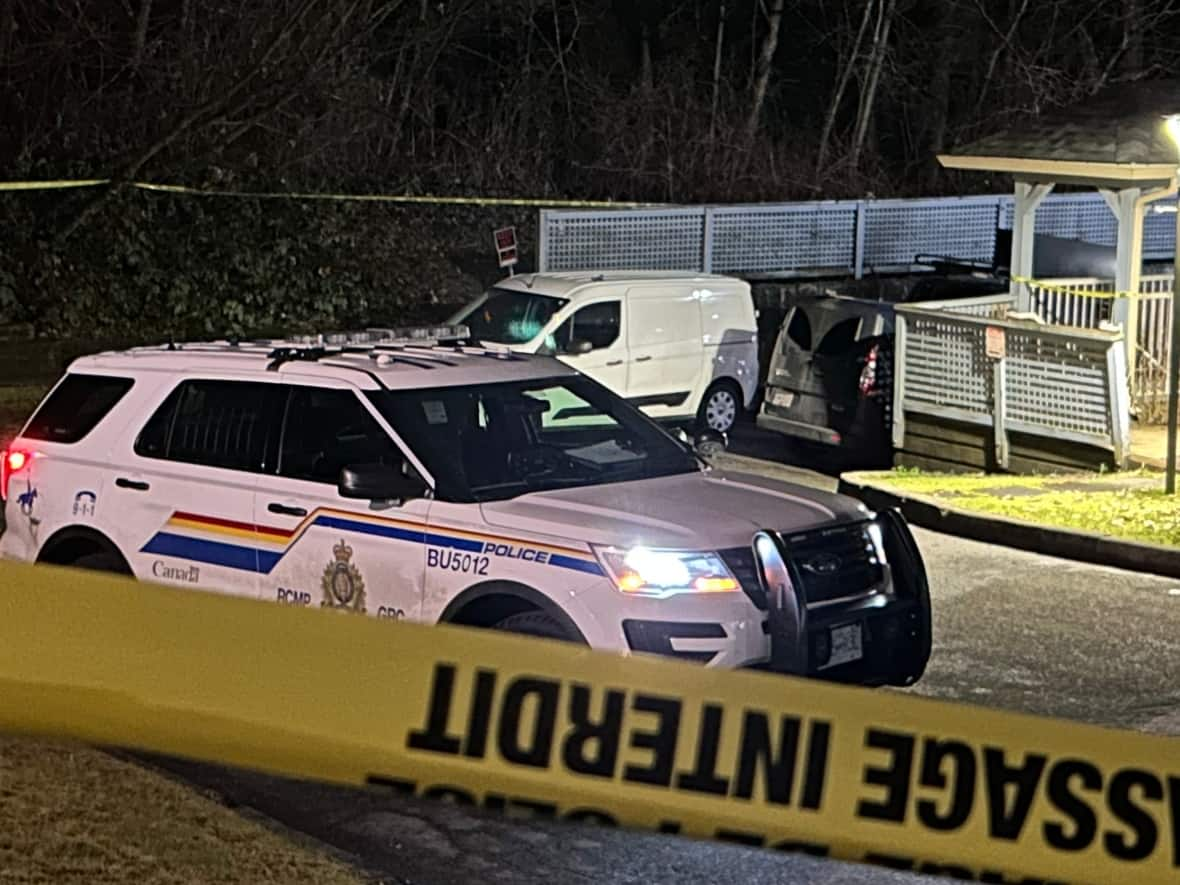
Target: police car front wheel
x: 101, y: 562
x: 534, y: 623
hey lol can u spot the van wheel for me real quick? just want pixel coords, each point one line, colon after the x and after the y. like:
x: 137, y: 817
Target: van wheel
x: 534, y: 623
x: 720, y: 407
x: 101, y: 562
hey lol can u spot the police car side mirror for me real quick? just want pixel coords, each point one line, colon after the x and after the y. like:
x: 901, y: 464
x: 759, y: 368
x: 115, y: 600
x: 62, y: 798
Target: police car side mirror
x: 378, y: 482
x: 710, y: 442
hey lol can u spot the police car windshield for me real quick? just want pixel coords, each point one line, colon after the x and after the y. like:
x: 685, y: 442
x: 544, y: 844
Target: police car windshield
x: 494, y: 441
x: 507, y: 316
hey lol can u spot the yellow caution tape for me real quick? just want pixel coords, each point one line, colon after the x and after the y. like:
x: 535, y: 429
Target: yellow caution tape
x: 50, y: 185
x: 1069, y: 290
x: 295, y: 195
x: 533, y: 727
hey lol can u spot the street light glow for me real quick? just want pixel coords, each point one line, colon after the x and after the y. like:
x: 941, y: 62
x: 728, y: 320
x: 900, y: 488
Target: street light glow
x: 1172, y: 125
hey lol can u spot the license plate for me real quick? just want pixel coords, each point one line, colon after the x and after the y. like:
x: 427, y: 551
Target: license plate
x: 780, y: 397
x: 845, y: 643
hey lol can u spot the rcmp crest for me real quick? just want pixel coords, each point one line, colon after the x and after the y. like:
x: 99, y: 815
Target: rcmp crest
x: 344, y: 588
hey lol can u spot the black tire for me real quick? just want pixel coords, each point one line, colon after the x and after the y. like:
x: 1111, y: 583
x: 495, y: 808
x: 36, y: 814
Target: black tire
x: 101, y: 562
x: 721, y: 405
x: 534, y: 623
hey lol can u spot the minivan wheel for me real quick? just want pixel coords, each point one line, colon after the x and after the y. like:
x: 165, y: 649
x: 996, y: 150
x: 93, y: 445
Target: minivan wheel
x: 720, y: 407
x: 534, y: 623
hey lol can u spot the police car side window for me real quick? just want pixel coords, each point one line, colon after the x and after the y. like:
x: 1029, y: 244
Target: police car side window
x: 215, y: 423
x: 327, y: 430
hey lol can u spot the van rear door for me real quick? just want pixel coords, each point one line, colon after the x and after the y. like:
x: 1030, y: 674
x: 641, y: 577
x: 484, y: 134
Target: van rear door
x: 814, y: 380
x: 664, y: 337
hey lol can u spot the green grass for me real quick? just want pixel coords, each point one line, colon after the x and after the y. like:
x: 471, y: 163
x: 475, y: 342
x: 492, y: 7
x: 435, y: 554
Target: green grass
x: 1135, y: 514
x: 69, y: 814
x: 1140, y: 511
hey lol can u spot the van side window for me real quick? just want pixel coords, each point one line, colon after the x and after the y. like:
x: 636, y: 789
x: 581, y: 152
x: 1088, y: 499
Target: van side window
x: 840, y: 338
x: 215, y: 423
x: 799, y: 329
x: 76, y: 406
x: 596, y: 323
x: 326, y: 430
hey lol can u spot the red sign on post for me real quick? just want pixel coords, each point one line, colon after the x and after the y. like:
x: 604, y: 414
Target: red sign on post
x: 505, y: 246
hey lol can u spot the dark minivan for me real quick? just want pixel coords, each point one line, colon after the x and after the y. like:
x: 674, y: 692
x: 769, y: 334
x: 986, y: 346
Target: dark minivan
x: 830, y: 376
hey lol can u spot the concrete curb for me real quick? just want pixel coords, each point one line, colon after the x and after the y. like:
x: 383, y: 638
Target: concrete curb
x: 928, y: 513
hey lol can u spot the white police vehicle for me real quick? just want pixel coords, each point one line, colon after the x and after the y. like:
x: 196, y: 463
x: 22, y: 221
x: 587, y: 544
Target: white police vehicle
x: 430, y: 479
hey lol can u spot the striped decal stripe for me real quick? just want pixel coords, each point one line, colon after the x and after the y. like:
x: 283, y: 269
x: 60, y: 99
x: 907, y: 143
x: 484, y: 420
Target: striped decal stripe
x: 200, y: 550
x: 248, y: 558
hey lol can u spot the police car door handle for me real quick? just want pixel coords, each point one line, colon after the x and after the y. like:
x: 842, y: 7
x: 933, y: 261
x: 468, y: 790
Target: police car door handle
x: 138, y: 486
x: 285, y: 510
x: 614, y: 362
x: 642, y: 359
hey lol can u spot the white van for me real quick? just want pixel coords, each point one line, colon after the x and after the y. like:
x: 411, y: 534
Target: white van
x: 683, y: 347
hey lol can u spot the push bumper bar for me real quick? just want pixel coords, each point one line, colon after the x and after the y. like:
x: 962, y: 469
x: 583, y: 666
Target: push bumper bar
x: 878, y: 639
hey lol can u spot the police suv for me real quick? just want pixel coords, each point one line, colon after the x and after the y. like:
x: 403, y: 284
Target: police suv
x: 415, y: 474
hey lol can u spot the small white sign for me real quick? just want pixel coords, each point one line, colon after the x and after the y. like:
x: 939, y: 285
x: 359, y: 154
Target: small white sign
x: 994, y: 343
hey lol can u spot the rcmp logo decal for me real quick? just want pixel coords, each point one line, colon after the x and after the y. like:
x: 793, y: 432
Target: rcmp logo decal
x: 344, y: 588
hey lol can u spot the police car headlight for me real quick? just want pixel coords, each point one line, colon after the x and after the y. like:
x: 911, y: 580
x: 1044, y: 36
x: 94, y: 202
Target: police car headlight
x: 642, y: 571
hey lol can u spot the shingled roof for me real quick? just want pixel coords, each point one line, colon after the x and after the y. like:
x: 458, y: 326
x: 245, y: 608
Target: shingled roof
x: 1119, y: 132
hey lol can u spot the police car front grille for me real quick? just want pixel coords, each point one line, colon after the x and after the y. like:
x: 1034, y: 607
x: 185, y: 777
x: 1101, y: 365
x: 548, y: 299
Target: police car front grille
x: 740, y: 561
x: 835, y: 563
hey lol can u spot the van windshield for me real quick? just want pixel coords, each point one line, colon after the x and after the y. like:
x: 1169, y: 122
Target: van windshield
x: 508, y: 316
x: 488, y: 442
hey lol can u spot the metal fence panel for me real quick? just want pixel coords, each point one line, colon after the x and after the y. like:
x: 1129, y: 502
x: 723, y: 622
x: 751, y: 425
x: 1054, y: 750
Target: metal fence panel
x: 1084, y: 216
x: 1159, y: 233
x: 618, y: 239
x: 759, y: 239
x: 898, y: 230
x: 792, y: 236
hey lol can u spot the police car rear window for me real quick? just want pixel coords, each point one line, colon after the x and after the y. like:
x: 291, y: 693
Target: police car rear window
x: 216, y: 423
x: 76, y: 406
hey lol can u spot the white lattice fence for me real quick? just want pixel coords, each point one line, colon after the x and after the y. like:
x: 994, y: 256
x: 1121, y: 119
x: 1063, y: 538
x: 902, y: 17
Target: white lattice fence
x: 1055, y: 382
x: 832, y: 236
x: 1058, y: 385
x: 944, y: 368
x: 1148, y: 380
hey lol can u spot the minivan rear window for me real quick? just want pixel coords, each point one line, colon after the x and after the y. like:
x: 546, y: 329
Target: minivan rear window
x: 76, y: 406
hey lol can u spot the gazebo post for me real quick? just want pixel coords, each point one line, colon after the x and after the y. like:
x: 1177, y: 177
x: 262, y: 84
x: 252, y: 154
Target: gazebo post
x: 1024, y: 224
x: 1127, y: 205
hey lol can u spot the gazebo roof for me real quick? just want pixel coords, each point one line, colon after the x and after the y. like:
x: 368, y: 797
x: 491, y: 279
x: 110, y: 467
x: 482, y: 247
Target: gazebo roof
x: 1116, y: 137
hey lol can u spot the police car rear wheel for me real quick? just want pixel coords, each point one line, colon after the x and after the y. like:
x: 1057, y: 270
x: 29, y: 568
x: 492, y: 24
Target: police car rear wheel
x: 534, y: 624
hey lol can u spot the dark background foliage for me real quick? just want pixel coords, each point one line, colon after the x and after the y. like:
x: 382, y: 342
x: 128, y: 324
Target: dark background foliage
x: 662, y: 100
